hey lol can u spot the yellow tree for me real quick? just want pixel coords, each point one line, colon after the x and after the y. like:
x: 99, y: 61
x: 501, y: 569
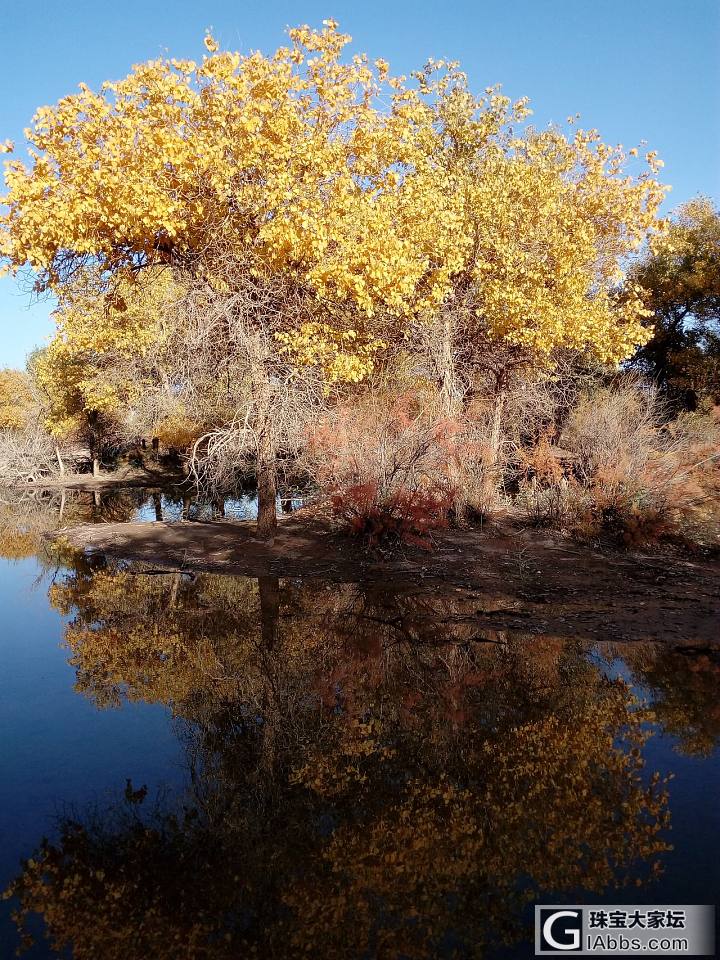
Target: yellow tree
x: 96, y: 372
x: 26, y: 450
x: 16, y: 399
x: 319, y: 225
x: 680, y: 276
x: 547, y: 221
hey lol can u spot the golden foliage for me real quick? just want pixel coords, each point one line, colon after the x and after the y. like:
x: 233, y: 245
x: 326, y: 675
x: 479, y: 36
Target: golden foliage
x: 90, y: 365
x: 16, y: 399
x: 288, y: 162
x: 682, y: 269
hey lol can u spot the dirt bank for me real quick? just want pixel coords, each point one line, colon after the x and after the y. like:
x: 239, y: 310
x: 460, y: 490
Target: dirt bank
x: 522, y: 582
x: 123, y: 477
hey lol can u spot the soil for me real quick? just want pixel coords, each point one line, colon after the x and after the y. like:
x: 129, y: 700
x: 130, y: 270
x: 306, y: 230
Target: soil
x: 123, y: 477
x: 518, y: 581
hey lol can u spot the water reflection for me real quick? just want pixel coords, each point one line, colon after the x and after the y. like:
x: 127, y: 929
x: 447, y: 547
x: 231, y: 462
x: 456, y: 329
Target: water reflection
x: 685, y: 685
x: 368, y: 776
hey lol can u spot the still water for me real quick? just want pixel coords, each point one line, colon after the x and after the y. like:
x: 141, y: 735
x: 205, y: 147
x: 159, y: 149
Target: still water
x: 218, y: 767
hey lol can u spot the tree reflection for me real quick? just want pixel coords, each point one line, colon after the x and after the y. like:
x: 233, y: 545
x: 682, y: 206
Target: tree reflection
x: 368, y: 775
x: 27, y: 517
x: 684, y: 683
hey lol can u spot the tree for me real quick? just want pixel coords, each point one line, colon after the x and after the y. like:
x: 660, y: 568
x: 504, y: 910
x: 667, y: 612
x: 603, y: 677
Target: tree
x: 17, y: 402
x: 680, y: 276
x: 318, y: 229
x: 547, y: 221
x: 97, y: 369
x: 27, y: 451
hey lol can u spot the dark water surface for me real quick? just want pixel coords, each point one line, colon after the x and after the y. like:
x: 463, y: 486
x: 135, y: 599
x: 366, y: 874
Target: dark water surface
x: 227, y: 767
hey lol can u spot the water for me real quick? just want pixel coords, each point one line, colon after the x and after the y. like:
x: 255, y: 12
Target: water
x: 40, y: 510
x: 227, y: 767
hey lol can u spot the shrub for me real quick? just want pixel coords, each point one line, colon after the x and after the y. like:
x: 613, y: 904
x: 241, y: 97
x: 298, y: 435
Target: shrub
x: 177, y: 431
x: 398, y: 515
x: 609, y: 425
x: 26, y: 455
x: 634, y: 476
x: 388, y: 466
x: 543, y: 484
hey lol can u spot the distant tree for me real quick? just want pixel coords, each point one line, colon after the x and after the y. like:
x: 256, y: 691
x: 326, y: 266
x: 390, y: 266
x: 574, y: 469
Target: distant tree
x: 16, y: 399
x: 680, y: 275
x: 98, y: 367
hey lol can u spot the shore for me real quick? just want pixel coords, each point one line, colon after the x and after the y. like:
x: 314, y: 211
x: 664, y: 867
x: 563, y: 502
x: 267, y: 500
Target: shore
x: 523, y: 581
x: 123, y: 477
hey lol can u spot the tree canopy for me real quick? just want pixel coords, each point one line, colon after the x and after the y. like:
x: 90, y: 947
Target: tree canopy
x: 369, y: 190
x: 16, y: 399
x: 680, y: 277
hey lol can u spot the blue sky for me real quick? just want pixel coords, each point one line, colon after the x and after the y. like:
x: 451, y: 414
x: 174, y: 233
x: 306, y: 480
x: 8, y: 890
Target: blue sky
x: 632, y: 68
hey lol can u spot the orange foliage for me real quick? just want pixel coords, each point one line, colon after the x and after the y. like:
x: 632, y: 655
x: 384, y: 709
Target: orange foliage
x: 407, y: 516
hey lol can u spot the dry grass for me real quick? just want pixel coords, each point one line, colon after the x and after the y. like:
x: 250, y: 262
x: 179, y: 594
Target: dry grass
x: 387, y: 464
x: 631, y: 474
x: 27, y: 455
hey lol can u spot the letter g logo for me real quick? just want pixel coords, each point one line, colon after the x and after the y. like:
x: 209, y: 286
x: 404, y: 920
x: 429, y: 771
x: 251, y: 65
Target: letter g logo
x: 557, y: 935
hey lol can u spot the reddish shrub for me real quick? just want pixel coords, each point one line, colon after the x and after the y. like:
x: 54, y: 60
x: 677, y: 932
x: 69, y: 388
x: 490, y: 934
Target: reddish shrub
x: 388, y: 466
x: 400, y: 515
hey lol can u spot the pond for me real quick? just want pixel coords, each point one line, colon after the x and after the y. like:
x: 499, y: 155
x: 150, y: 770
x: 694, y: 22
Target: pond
x: 199, y: 765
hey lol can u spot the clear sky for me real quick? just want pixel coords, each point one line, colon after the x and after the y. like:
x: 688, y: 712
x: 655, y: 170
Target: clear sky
x: 635, y: 69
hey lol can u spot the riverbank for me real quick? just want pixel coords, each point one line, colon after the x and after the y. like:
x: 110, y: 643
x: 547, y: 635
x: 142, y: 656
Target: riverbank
x: 523, y: 582
x: 121, y: 478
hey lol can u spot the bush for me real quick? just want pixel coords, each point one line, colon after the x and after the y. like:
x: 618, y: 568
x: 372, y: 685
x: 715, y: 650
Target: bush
x: 616, y: 425
x: 630, y: 474
x: 396, y: 515
x: 26, y: 455
x: 388, y: 466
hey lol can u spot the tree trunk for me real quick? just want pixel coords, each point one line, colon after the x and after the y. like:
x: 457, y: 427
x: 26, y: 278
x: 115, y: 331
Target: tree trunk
x: 61, y: 465
x: 450, y: 390
x: 94, y: 436
x: 269, y: 589
x: 496, y: 425
x: 266, y: 462
x: 452, y: 399
x: 157, y: 502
